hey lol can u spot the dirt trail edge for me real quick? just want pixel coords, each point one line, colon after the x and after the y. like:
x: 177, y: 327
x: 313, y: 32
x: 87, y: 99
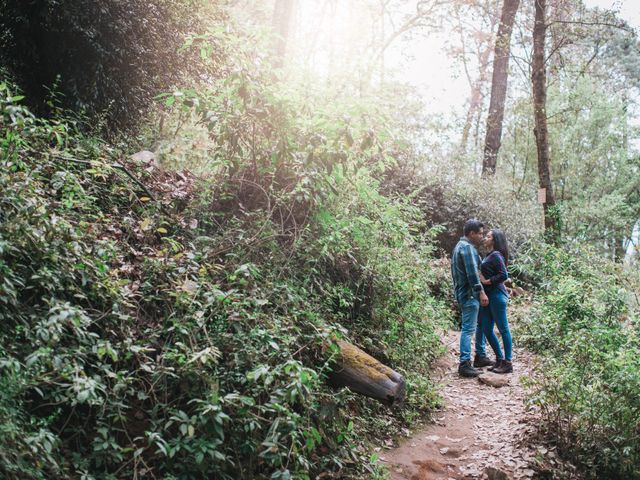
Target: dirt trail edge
x: 482, y: 432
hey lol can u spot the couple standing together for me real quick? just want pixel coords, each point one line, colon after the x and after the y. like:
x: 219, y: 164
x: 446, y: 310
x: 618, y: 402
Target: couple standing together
x: 480, y: 291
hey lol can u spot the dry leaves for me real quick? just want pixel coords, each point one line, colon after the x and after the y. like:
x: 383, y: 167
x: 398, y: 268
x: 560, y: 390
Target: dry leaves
x: 485, y: 433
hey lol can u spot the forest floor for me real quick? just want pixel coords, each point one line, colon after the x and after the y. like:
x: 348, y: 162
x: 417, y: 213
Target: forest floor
x: 482, y: 432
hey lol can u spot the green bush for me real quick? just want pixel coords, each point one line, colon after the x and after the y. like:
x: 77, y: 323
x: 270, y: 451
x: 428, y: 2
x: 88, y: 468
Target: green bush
x: 582, y: 325
x: 112, y: 56
x: 448, y: 199
x: 189, y: 335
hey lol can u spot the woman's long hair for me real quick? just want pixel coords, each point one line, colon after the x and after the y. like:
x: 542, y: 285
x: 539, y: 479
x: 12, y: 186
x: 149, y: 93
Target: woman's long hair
x: 500, y: 244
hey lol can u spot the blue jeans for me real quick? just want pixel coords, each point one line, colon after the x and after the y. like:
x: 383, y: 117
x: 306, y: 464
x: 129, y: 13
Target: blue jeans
x: 470, y: 322
x: 496, y: 313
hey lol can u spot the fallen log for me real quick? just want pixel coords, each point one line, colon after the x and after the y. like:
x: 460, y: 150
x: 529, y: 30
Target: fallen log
x: 513, y: 290
x: 363, y: 374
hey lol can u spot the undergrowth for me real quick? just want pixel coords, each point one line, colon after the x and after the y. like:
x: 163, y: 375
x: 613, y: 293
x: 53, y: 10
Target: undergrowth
x: 185, y: 330
x: 585, y: 323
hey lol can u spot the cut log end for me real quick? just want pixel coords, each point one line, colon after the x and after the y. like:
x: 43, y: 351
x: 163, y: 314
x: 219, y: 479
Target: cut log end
x: 363, y: 374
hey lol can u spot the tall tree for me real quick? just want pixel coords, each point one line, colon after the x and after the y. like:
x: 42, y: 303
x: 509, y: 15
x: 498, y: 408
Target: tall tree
x: 282, y: 13
x: 476, y: 98
x: 476, y: 27
x: 539, y: 84
x: 499, y: 86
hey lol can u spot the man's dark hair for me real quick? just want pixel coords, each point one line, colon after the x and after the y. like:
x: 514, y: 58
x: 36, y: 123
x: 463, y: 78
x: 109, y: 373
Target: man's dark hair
x: 472, y: 225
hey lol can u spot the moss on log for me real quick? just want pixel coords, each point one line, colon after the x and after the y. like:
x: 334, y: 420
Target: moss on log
x: 363, y: 374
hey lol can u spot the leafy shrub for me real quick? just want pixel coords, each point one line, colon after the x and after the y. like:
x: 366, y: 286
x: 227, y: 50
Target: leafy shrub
x: 111, y: 55
x: 189, y: 335
x: 450, y: 199
x: 580, y: 322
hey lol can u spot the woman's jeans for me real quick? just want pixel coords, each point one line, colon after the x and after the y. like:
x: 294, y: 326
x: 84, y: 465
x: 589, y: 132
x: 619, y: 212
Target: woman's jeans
x: 470, y: 321
x: 496, y: 313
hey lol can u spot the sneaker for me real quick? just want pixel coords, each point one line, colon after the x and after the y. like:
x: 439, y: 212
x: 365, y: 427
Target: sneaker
x: 466, y: 370
x: 495, y: 365
x: 505, y: 367
x: 482, y: 361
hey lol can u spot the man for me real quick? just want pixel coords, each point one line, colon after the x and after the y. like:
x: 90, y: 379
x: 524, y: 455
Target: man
x: 465, y: 263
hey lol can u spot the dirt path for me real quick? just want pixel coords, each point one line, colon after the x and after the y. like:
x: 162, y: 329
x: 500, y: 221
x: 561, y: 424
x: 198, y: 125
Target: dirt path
x: 482, y: 432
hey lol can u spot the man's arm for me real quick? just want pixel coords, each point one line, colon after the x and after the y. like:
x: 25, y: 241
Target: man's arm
x: 471, y: 268
x: 473, y: 274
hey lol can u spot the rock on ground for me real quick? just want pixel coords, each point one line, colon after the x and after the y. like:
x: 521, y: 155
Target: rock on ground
x: 494, y: 379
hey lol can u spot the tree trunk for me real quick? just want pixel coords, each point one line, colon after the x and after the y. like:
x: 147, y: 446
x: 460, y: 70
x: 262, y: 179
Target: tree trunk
x: 633, y: 245
x: 499, y: 86
x: 282, y: 14
x: 538, y: 81
x: 476, y: 98
x: 363, y: 374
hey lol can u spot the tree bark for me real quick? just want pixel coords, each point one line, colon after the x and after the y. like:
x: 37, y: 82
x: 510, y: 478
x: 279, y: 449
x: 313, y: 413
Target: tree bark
x: 476, y: 98
x: 539, y: 84
x: 282, y: 13
x: 499, y: 86
x: 363, y: 374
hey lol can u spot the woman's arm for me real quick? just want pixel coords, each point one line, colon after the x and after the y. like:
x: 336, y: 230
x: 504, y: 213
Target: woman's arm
x: 501, y: 268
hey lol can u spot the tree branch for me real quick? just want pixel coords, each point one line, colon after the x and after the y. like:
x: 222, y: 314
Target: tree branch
x: 600, y: 24
x: 115, y: 165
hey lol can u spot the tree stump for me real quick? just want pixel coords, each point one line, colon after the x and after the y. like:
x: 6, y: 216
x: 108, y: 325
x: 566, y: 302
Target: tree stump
x: 363, y: 374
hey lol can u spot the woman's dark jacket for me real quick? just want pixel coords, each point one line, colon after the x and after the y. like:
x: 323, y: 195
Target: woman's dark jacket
x: 494, y: 268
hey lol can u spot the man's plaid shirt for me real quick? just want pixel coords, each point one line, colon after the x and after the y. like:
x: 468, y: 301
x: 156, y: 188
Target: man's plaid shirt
x: 465, y: 263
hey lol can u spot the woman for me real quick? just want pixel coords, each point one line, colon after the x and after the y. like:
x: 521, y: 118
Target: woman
x: 493, y: 275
